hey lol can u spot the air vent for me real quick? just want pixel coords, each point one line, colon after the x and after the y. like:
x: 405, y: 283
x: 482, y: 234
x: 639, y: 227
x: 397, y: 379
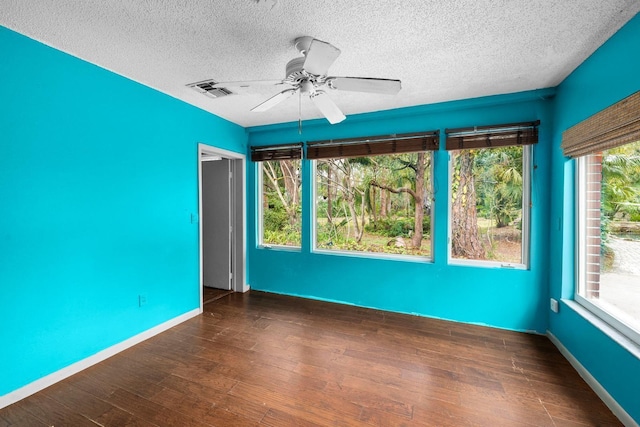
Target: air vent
x: 206, y: 87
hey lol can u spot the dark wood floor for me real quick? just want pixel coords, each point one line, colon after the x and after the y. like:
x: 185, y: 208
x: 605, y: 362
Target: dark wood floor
x: 212, y: 294
x: 263, y: 359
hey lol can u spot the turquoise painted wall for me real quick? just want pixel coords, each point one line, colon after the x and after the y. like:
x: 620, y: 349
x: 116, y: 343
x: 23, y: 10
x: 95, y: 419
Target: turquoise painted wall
x: 609, y: 75
x: 511, y: 299
x: 98, y: 181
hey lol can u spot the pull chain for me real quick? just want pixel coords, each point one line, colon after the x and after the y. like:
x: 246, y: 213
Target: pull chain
x: 300, y: 113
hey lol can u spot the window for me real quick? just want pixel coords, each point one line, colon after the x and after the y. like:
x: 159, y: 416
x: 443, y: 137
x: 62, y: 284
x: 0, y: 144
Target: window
x: 374, y: 195
x: 490, y: 192
x: 606, y: 148
x: 609, y: 232
x: 280, y: 194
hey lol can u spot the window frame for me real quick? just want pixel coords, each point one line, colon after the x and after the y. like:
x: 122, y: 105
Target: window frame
x: 371, y: 255
x: 260, y: 213
x: 581, y: 255
x: 527, y: 172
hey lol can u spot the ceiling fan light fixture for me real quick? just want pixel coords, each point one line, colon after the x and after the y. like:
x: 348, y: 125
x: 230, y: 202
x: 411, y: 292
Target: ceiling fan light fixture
x: 307, y: 87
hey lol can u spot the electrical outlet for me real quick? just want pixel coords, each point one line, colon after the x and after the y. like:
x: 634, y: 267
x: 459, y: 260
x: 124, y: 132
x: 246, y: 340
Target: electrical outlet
x: 554, y: 305
x: 142, y: 300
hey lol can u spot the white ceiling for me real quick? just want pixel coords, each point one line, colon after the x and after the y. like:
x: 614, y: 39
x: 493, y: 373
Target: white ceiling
x: 441, y: 50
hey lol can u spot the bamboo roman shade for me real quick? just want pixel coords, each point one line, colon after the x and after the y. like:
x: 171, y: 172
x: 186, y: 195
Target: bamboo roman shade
x: 612, y: 127
x: 493, y: 136
x: 373, y: 146
x: 276, y: 152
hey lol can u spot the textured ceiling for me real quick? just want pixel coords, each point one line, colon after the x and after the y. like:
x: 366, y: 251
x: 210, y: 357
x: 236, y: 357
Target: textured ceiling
x: 441, y: 50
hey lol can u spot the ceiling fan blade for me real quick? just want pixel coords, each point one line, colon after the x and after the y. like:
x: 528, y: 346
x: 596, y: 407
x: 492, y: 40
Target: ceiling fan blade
x: 327, y: 107
x: 274, y: 100
x: 365, y: 84
x: 248, y: 83
x: 319, y: 57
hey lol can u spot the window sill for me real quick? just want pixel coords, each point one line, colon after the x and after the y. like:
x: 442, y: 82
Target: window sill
x: 375, y: 255
x: 281, y: 248
x: 488, y: 264
x: 618, y: 337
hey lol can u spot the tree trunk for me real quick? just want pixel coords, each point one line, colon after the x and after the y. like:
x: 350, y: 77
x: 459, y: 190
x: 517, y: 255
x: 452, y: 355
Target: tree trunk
x: 291, y: 184
x: 384, y: 195
x: 418, y: 198
x: 372, y: 197
x: 349, y: 196
x: 274, y: 178
x: 329, y: 193
x: 465, y: 239
x: 351, y: 202
x: 352, y: 212
x: 361, y: 231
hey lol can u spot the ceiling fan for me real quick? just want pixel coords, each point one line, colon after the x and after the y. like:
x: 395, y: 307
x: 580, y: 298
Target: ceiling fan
x: 307, y: 75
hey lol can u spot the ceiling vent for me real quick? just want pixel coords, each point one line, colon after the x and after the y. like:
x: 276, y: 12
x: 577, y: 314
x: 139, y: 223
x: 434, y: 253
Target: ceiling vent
x: 205, y: 87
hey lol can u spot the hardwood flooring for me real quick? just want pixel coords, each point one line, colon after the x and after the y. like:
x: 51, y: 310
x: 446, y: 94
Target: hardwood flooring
x: 212, y: 294
x: 264, y: 359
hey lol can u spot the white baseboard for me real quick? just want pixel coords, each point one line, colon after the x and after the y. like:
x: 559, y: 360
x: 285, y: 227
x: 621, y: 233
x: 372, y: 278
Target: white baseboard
x: 54, y: 377
x: 603, y: 394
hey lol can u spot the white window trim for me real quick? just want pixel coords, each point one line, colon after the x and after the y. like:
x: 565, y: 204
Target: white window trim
x: 260, y: 218
x: 527, y: 158
x: 580, y: 258
x: 362, y: 254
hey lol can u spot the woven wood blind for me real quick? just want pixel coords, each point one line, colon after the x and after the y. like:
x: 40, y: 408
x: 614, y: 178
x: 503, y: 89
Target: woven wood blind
x: 493, y: 136
x: 612, y: 127
x: 374, y: 146
x: 276, y: 152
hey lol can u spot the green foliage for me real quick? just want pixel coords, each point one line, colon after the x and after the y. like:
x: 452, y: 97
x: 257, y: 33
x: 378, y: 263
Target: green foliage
x: 287, y: 237
x: 620, y: 189
x: 499, y: 182
x: 330, y: 235
x: 274, y: 219
x: 277, y: 229
x: 621, y: 180
x: 397, y: 227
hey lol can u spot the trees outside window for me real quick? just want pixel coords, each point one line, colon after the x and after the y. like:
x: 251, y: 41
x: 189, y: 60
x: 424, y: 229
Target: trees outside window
x: 488, y: 214
x: 375, y: 204
x: 280, y: 202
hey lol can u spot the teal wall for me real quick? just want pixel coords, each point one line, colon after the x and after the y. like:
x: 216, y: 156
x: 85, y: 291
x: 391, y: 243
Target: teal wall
x: 504, y: 298
x: 609, y: 75
x: 98, y: 181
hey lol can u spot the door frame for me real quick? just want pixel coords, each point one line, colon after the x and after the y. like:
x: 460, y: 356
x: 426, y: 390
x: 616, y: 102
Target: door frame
x: 238, y: 218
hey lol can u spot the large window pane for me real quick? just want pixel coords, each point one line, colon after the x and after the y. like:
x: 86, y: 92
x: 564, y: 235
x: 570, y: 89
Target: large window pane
x: 489, y: 188
x: 280, y: 202
x: 609, y: 233
x: 378, y: 204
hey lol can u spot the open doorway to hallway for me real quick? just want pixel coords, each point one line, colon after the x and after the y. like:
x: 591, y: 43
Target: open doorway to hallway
x: 221, y: 224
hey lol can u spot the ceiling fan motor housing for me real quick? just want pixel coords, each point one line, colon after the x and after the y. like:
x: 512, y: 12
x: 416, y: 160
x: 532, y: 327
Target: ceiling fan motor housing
x: 295, y: 70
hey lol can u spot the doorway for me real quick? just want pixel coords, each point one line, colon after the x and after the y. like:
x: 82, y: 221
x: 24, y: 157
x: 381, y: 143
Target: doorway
x: 221, y: 225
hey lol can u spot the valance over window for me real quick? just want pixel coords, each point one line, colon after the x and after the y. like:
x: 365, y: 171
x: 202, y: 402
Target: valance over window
x: 276, y: 152
x: 612, y: 127
x: 374, y: 146
x: 492, y: 136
